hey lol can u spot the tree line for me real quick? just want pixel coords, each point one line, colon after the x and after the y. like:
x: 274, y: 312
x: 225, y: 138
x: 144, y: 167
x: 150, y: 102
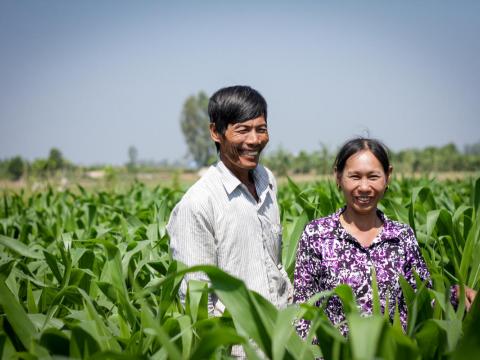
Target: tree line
x: 17, y: 167
x: 282, y: 162
x: 445, y: 158
x: 194, y: 122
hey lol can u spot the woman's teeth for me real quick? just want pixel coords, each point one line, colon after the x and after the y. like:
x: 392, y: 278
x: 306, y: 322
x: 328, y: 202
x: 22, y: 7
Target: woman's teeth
x: 250, y: 153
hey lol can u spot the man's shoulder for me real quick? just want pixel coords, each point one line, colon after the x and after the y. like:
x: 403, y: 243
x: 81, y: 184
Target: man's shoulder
x: 197, y: 197
x: 208, y: 184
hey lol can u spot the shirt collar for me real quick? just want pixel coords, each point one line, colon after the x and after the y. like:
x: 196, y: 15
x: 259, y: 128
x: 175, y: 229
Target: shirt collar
x: 231, y: 182
x: 390, y: 229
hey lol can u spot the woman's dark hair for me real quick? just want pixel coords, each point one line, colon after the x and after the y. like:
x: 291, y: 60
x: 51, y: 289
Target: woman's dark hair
x: 235, y: 104
x: 358, y: 144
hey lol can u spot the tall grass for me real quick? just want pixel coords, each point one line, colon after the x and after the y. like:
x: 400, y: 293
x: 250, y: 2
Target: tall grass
x: 89, y: 275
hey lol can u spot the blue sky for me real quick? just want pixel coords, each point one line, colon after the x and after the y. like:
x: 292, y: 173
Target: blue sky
x: 95, y: 77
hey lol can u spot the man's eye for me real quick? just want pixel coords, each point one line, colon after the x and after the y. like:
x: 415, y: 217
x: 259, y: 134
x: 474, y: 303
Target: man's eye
x: 262, y: 130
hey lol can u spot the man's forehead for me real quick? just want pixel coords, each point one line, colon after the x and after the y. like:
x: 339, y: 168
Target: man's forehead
x: 258, y: 121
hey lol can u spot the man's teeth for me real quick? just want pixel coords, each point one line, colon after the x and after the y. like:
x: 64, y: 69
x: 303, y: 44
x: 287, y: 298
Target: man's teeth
x: 363, y: 198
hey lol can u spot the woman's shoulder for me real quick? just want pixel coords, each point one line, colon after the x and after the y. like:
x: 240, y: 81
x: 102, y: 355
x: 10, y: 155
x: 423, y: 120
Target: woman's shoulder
x: 323, y: 225
x: 395, y: 229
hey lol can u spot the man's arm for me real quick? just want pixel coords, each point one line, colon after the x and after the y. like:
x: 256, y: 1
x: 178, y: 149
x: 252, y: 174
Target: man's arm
x: 192, y: 240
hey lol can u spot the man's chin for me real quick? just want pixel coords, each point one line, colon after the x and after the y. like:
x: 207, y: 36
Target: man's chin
x: 249, y: 162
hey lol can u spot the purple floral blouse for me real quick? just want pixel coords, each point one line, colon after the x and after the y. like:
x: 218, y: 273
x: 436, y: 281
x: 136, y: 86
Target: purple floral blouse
x: 328, y: 256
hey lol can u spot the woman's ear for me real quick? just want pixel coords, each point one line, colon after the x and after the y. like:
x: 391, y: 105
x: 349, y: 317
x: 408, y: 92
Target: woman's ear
x: 389, y: 175
x: 337, y: 177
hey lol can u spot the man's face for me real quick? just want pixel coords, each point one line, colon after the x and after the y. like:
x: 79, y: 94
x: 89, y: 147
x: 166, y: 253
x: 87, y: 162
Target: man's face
x: 242, y: 143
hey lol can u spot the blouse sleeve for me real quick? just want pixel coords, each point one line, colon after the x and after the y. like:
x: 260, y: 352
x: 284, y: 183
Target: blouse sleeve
x: 305, y: 277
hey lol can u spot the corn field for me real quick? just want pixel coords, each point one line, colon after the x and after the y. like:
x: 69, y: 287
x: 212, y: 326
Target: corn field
x: 89, y: 275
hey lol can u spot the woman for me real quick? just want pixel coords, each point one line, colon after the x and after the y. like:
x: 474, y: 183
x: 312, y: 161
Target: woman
x: 343, y: 247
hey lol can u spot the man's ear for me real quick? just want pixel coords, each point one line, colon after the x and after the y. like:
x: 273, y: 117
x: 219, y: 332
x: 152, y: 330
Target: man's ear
x: 214, y: 134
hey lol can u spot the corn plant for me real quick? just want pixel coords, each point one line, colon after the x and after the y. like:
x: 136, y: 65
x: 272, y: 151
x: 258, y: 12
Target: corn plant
x: 89, y: 275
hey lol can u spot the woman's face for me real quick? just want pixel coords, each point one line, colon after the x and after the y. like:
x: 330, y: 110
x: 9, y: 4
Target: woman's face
x: 363, y: 182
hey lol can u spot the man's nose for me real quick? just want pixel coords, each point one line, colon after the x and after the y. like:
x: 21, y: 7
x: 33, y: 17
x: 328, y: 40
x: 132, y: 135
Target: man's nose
x: 253, y: 137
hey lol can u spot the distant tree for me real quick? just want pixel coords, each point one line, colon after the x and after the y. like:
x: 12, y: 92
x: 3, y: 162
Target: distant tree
x: 4, y: 168
x: 55, y: 160
x: 302, y: 163
x: 194, y: 122
x: 16, y: 168
x: 279, y: 161
x: 132, y: 159
x: 39, y: 167
x: 473, y: 149
x: 111, y: 175
x: 323, y: 160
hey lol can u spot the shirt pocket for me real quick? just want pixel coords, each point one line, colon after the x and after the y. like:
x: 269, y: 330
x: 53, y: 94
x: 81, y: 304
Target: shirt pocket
x: 273, y: 239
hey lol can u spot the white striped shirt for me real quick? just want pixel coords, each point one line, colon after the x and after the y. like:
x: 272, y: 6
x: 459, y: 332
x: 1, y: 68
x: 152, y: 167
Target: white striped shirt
x: 219, y: 222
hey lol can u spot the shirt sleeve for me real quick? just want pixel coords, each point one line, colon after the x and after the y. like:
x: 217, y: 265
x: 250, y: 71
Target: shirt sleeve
x: 305, y: 277
x: 192, y: 241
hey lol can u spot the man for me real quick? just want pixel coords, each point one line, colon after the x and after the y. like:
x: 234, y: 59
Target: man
x: 230, y: 217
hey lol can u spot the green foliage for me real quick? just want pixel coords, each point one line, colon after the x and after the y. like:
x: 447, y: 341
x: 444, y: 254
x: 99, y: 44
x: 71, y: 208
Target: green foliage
x: 195, y: 122
x: 89, y: 275
x: 430, y: 159
x: 55, y: 160
x: 16, y: 168
x: 132, y: 159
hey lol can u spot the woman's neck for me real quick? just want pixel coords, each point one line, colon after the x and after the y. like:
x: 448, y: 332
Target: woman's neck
x: 362, y: 222
x: 363, y: 227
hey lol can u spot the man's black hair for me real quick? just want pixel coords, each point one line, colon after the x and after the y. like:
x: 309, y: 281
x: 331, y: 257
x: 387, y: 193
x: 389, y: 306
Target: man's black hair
x: 235, y: 104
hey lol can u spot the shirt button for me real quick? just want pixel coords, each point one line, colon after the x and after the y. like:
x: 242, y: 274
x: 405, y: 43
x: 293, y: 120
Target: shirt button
x: 279, y: 266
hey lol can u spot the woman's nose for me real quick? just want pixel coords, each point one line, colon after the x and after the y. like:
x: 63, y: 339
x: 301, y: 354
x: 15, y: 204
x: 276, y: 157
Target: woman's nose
x: 363, y: 184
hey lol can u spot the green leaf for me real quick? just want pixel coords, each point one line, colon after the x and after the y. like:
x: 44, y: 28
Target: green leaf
x: 18, y: 247
x: 56, y: 342
x: 376, y: 298
x: 210, y: 342
x: 469, y: 345
x: 82, y: 344
x: 52, y: 263
x: 365, y: 334
x: 196, y: 303
x: 17, y: 317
